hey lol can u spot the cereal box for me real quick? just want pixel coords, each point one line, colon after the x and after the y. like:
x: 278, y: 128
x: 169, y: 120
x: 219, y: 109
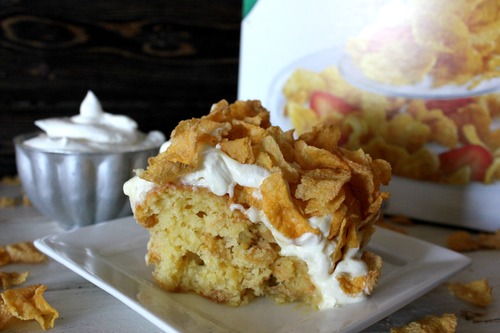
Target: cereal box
x: 415, y: 82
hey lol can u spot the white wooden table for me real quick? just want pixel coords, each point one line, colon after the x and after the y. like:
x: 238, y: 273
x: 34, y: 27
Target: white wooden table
x: 84, y: 307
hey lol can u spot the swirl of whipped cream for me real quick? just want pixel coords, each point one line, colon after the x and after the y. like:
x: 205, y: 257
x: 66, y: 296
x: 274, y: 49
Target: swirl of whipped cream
x: 93, y: 130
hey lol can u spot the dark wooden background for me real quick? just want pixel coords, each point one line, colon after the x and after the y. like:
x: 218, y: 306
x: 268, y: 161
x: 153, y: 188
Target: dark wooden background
x: 156, y: 61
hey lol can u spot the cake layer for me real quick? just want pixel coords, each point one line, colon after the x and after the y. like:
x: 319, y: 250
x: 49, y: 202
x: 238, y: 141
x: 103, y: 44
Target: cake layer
x: 199, y: 244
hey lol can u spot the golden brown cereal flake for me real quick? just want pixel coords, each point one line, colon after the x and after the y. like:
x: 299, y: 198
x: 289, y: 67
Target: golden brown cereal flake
x: 239, y: 149
x: 349, y: 285
x: 270, y: 147
x: 437, y: 40
x: 278, y: 206
x: 402, y: 131
x: 10, y: 180
x: 489, y: 241
x: 26, y: 201
x: 5, y: 315
x: 477, y: 292
x: 235, y: 121
x: 324, y: 135
x: 28, y: 303
x: 400, y: 219
x: 319, y: 188
x: 366, y: 283
x: 447, y: 323
x: 395, y: 223
x: 4, y: 256
x: 7, y: 202
x: 25, y: 252
x: 462, y: 241
x: 9, y: 279
x: 374, y: 263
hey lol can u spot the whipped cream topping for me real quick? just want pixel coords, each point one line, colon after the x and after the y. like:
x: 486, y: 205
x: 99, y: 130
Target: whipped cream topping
x: 93, y: 130
x: 315, y: 251
x: 217, y: 171
x: 220, y: 173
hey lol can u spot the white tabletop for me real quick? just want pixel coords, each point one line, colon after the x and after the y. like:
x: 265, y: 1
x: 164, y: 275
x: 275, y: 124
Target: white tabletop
x: 84, y: 307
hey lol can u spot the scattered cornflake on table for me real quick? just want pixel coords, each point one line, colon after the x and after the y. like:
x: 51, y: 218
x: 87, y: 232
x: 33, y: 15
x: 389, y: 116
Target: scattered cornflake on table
x: 5, y: 315
x: 489, y: 241
x: 10, y: 279
x: 401, y: 219
x: 7, y: 202
x: 447, y: 323
x: 25, y: 200
x: 25, y: 252
x: 10, y: 180
x: 463, y: 241
x: 27, y: 303
x: 4, y: 256
x: 395, y: 223
x: 477, y: 292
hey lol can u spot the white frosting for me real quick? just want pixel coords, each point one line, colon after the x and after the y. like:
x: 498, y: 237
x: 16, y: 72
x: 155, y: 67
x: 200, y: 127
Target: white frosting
x: 217, y: 172
x: 93, y: 130
x: 137, y: 188
x: 315, y: 251
x: 220, y: 173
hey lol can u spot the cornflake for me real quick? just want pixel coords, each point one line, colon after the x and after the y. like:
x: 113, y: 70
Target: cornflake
x: 489, y: 241
x: 436, y: 39
x: 25, y: 252
x: 395, y: 223
x: 462, y: 241
x: 27, y: 303
x: 9, y: 279
x: 447, y: 323
x: 7, y: 202
x: 5, y: 315
x: 10, y: 180
x: 477, y: 292
x: 4, y: 257
x: 400, y: 131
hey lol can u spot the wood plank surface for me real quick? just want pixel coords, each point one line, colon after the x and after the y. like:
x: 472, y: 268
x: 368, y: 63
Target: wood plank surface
x: 156, y: 61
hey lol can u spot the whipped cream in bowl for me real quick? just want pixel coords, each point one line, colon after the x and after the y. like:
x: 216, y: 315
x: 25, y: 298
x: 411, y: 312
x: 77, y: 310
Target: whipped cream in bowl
x: 74, y: 170
x: 93, y: 130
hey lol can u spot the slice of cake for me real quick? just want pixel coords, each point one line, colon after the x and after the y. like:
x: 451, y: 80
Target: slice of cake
x: 237, y: 208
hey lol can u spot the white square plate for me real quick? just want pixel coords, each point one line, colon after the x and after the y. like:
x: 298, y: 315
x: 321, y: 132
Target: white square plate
x: 111, y: 255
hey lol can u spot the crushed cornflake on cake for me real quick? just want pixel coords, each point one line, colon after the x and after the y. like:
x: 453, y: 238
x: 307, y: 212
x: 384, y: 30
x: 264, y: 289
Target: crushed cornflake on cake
x: 237, y: 208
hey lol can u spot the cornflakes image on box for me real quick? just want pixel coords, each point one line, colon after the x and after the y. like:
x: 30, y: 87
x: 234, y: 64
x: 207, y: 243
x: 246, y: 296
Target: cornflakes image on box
x: 436, y: 119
